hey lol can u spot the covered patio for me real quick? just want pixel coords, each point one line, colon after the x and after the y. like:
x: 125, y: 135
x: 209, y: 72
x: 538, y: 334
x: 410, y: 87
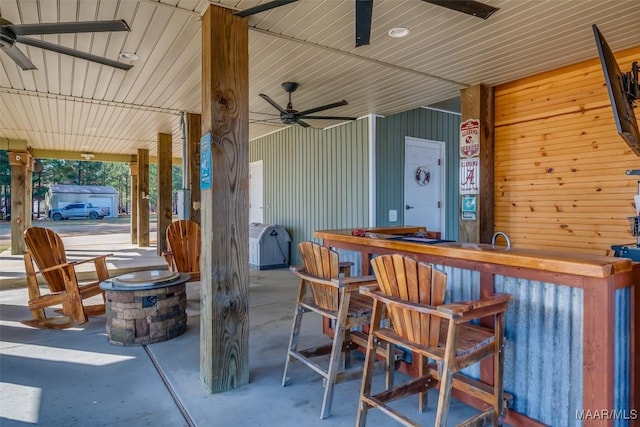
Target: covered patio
x: 201, y: 83
x: 76, y: 378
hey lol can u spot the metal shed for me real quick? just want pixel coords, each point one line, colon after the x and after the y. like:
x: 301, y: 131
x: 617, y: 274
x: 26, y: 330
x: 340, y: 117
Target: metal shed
x: 60, y: 196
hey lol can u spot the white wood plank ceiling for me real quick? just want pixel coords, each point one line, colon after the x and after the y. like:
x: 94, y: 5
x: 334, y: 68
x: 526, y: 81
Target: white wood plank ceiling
x: 75, y: 105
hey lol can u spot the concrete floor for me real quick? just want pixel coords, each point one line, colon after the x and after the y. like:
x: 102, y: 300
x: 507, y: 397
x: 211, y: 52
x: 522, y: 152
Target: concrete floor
x: 74, y: 377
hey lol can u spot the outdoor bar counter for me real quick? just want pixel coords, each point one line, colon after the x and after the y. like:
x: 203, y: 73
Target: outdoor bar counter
x: 572, y: 352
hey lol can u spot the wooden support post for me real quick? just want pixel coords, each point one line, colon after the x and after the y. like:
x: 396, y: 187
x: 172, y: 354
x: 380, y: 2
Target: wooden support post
x: 598, y: 352
x: 477, y: 103
x: 21, y: 164
x: 224, y: 316
x: 165, y: 190
x: 194, y: 132
x: 133, y: 172
x: 143, y: 197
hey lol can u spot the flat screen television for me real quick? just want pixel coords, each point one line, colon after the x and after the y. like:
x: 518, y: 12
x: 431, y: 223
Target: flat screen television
x: 623, y: 92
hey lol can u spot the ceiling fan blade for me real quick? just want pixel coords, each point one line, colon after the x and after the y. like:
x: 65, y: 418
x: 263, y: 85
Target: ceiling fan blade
x: 330, y: 118
x: 267, y: 123
x: 470, y: 7
x: 302, y: 123
x: 263, y: 7
x: 273, y: 103
x: 19, y: 57
x: 69, y: 27
x: 324, y: 107
x: 364, y: 11
x: 72, y: 52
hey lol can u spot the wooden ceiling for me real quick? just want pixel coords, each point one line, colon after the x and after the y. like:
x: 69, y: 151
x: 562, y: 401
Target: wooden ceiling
x: 74, y: 105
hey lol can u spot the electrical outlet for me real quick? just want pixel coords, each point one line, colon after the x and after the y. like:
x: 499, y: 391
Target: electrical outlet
x: 393, y: 215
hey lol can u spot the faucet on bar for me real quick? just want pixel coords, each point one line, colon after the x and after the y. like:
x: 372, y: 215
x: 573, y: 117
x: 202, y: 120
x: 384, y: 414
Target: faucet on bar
x: 503, y: 234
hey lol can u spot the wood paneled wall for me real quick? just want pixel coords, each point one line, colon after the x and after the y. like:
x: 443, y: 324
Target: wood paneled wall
x: 560, y: 165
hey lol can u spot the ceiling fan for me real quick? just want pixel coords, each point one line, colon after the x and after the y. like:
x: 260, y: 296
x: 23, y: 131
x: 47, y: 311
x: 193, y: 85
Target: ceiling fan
x: 10, y: 34
x: 290, y: 116
x: 364, y: 10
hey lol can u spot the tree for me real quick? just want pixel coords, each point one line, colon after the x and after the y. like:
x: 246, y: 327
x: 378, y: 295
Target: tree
x: 79, y: 172
x: 5, y: 184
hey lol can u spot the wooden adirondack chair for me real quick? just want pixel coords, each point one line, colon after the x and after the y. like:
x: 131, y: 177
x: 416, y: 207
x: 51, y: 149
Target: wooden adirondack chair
x: 413, y: 293
x: 183, y: 242
x: 335, y: 298
x: 46, y: 257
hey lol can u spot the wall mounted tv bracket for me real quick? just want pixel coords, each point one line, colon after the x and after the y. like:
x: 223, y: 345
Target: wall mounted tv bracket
x: 631, y: 84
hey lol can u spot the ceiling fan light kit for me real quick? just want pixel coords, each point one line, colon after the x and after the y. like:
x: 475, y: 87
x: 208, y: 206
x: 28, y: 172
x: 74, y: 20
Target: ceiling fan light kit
x: 10, y: 34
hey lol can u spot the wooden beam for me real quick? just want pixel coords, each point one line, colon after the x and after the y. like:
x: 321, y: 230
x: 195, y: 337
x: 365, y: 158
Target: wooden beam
x: 13, y: 144
x: 99, y: 157
x: 477, y: 103
x: 21, y: 164
x: 143, y: 197
x: 194, y: 132
x: 133, y: 172
x: 165, y: 190
x: 224, y: 317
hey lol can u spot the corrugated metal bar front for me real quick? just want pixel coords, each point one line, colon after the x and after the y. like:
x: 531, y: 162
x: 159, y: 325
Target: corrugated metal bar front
x: 543, y: 349
x: 351, y: 256
x: 543, y: 343
x: 622, y: 358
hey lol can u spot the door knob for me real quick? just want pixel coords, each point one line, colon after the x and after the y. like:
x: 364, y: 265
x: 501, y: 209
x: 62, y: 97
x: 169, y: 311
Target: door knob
x: 407, y: 207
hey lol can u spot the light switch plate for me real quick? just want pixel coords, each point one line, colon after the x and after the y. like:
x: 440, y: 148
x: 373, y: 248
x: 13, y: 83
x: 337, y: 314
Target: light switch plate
x: 393, y: 215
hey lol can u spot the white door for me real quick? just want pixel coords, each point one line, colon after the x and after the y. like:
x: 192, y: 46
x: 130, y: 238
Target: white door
x: 424, y: 183
x: 255, y: 192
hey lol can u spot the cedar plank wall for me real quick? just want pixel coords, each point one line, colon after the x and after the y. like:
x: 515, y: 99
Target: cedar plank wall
x: 560, y: 165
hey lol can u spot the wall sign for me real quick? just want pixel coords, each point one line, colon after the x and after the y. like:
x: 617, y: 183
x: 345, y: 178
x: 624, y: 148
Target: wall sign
x: 469, y: 207
x: 205, y: 161
x: 470, y: 138
x: 470, y: 176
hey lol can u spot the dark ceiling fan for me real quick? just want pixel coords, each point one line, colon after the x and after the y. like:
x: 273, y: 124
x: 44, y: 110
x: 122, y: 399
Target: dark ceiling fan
x: 364, y: 10
x: 290, y: 116
x: 10, y: 34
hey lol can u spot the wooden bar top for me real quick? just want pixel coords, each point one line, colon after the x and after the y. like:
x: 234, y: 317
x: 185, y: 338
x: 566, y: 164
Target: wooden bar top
x: 538, y: 259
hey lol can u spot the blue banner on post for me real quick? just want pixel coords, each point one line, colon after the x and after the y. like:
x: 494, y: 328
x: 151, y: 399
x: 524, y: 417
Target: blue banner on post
x: 205, y: 161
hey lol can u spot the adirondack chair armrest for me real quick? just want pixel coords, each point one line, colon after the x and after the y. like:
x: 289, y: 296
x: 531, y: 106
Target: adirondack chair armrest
x: 301, y: 273
x: 94, y: 259
x: 296, y: 268
x: 470, y: 310
x: 368, y: 288
x: 55, y: 267
x: 353, y: 283
x: 397, y: 302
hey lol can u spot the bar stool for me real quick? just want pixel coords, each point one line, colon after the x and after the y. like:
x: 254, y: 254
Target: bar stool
x: 412, y: 294
x: 336, y: 299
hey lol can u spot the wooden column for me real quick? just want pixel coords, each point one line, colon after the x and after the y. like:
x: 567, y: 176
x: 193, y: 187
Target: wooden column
x: 224, y: 316
x: 21, y: 164
x: 133, y: 172
x: 477, y: 103
x: 143, y: 197
x: 194, y: 132
x: 598, y: 352
x: 165, y: 190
